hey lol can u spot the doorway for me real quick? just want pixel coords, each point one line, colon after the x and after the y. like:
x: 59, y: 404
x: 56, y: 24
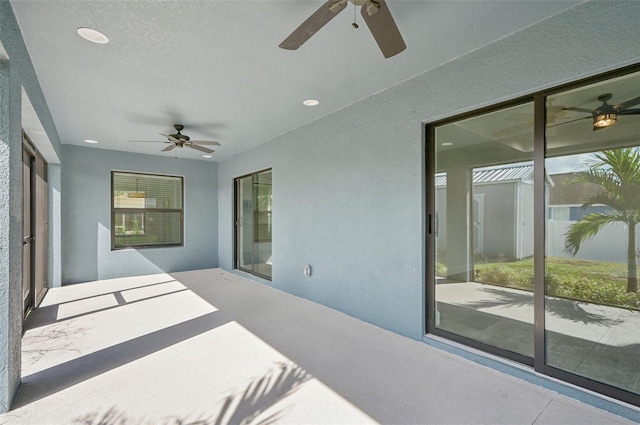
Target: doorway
x: 533, y: 232
x: 254, y: 224
x: 35, y: 227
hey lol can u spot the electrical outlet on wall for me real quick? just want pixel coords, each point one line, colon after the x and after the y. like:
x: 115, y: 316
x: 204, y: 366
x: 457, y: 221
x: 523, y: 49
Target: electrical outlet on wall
x: 307, y: 270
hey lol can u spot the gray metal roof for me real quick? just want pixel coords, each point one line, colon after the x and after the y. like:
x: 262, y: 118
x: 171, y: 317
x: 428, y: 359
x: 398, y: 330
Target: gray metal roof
x: 494, y: 175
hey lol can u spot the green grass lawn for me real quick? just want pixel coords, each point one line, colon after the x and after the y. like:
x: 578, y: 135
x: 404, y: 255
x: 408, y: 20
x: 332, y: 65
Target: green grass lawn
x: 599, y: 282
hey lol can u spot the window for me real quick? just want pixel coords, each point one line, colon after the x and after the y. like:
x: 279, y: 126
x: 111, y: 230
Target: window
x: 146, y: 210
x: 578, y: 213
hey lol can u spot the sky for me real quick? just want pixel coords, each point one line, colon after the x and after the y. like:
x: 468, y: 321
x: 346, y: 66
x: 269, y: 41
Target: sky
x: 566, y: 164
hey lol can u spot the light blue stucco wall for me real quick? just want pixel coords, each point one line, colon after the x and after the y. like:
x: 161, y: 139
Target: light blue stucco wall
x: 86, y: 216
x: 16, y: 76
x: 54, y: 274
x: 348, y: 194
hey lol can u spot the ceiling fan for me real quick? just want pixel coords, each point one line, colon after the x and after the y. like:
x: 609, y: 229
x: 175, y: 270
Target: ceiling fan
x: 606, y: 115
x: 179, y: 140
x: 375, y: 14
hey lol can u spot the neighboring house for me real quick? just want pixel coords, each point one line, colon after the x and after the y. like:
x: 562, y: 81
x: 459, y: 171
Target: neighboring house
x: 502, y: 212
x: 566, y: 197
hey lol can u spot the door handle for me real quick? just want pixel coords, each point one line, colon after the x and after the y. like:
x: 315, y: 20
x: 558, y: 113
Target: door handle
x: 26, y: 240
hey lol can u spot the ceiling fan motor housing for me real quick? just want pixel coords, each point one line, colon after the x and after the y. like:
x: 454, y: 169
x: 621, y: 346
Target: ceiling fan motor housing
x: 178, y: 135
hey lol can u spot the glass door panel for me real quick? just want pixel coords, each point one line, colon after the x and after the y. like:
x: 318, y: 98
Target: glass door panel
x: 27, y: 240
x: 263, y: 228
x: 484, y: 229
x: 245, y: 226
x: 254, y: 223
x: 592, y: 305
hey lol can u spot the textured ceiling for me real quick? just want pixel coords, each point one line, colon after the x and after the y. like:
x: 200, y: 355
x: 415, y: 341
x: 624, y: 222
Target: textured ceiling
x: 215, y: 66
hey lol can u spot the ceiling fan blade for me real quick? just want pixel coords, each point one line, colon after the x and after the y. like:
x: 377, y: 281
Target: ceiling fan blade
x: 383, y: 27
x: 588, y: 111
x: 569, y: 122
x: 148, y: 141
x: 629, y: 112
x: 205, y: 142
x: 625, y: 105
x: 200, y: 148
x: 320, y: 18
x: 168, y: 148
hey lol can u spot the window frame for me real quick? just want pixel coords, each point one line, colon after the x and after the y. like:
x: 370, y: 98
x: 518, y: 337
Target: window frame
x: 142, y: 211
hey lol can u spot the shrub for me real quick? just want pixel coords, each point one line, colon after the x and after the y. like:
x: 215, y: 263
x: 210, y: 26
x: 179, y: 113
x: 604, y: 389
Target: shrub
x: 595, y: 291
x: 441, y: 269
x: 503, y: 275
x: 593, y: 282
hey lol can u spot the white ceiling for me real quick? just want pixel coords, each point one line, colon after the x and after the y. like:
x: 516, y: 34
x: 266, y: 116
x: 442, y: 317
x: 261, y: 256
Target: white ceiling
x: 215, y: 66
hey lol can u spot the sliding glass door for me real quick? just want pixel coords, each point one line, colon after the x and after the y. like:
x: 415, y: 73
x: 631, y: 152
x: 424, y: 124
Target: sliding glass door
x: 254, y: 223
x: 592, y: 304
x: 532, y: 232
x: 483, y: 187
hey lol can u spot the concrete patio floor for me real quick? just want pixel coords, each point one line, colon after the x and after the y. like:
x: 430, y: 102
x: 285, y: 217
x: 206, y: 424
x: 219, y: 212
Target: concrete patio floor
x: 210, y: 347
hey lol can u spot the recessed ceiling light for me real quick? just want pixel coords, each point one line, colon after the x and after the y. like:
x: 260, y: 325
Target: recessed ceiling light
x: 207, y: 156
x: 93, y: 35
x: 93, y: 142
x: 447, y: 144
x: 311, y: 102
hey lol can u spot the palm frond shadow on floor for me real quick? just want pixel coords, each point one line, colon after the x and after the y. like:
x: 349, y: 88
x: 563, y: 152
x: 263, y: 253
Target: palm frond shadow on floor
x: 240, y: 408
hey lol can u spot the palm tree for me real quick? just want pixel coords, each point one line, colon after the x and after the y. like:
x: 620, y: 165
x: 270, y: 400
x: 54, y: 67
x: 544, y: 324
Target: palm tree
x: 617, y: 173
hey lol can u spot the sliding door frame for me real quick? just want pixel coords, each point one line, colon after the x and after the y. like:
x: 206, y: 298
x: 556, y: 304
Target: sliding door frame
x: 36, y: 242
x: 432, y: 228
x: 237, y: 225
x: 538, y: 362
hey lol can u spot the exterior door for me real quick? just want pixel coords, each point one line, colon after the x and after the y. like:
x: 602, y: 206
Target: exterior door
x: 253, y: 233
x: 35, y: 227
x: 548, y: 274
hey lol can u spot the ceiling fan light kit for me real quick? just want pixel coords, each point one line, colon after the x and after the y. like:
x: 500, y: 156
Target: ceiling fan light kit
x: 375, y: 14
x: 604, y: 120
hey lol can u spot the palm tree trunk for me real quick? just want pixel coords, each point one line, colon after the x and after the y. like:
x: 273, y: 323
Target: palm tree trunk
x: 632, y: 272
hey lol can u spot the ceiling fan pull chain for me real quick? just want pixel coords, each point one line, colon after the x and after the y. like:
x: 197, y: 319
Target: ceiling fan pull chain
x: 355, y: 16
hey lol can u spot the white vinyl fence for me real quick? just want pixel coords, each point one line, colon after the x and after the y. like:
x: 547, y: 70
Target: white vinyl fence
x: 610, y: 244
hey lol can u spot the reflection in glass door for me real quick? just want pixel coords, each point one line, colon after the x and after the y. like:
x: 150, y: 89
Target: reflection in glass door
x: 592, y: 304
x: 533, y: 238
x: 254, y: 223
x: 483, y: 203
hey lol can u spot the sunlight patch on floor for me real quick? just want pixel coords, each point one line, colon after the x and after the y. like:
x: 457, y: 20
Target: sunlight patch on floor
x: 156, y: 368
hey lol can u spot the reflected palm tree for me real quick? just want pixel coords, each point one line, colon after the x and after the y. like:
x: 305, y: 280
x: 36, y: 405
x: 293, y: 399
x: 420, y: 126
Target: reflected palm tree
x: 617, y: 172
x: 241, y: 408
